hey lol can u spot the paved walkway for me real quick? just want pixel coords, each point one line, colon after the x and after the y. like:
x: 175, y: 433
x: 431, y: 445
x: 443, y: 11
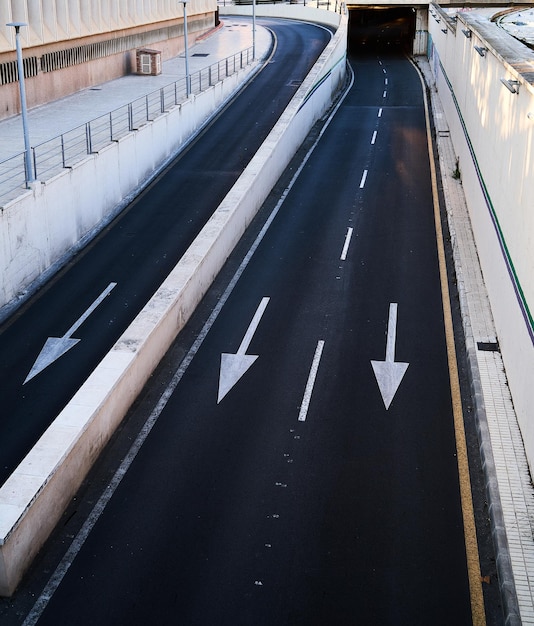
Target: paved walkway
x: 510, y: 490
x: 58, y: 117
x: 52, y: 119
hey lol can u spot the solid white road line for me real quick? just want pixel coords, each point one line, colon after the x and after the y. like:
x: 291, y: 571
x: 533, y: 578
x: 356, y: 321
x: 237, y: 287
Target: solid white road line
x: 311, y: 381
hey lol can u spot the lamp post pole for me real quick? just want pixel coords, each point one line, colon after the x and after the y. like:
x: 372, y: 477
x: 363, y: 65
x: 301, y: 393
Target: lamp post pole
x: 22, y: 88
x: 187, y: 76
x: 253, y: 30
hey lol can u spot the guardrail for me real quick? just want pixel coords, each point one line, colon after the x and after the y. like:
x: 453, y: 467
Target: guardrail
x: 67, y: 149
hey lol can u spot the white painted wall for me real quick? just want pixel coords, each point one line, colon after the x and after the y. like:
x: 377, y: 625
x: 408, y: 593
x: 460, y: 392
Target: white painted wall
x: 49, y: 21
x: 43, y: 226
x: 289, y: 11
x: 500, y: 193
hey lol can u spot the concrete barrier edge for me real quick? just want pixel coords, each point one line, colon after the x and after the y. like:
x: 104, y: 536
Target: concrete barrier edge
x: 34, y: 497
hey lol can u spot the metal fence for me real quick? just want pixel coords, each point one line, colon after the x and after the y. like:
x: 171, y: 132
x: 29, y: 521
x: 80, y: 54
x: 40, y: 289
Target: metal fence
x: 63, y: 151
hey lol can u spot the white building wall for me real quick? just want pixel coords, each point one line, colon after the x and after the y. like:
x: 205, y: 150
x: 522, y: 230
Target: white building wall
x: 51, y: 21
x: 492, y: 131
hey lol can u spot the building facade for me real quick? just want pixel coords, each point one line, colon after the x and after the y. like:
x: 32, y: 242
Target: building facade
x: 70, y: 45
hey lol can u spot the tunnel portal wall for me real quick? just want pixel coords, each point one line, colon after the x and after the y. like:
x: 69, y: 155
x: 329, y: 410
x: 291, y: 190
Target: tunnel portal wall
x: 484, y: 79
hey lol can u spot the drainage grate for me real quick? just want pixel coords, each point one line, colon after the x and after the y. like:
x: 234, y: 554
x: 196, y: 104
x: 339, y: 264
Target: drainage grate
x: 201, y: 54
x: 488, y: 346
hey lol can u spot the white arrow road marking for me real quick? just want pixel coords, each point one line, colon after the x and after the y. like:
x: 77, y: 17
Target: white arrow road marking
x: 389, y: 373
x: 99, y: 508
x: 234, y: 366
x: 311, y: 381
x: 345, y: 250
x: 56, y: 347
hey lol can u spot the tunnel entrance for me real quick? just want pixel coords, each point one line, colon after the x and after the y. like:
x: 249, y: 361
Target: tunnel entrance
x: 390, y: 28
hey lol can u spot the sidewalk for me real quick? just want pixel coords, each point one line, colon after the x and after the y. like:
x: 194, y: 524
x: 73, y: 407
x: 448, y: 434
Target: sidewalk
x: 55, y: 118
x: 510, y: 491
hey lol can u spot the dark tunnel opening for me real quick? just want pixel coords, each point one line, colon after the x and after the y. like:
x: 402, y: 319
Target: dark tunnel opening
x: 377, y: 28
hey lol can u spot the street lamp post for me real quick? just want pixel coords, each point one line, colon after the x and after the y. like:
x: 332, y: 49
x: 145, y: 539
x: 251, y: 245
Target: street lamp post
x: 187, y: 76
x: 22, y: 88
x: 253, y: 30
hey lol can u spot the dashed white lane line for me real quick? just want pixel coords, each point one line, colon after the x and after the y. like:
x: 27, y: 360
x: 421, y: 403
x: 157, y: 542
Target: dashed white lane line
x: 364, y: 178
x: 380, y: 112
x: 385, y: 93
x: 347, y: 243
x: 373, y: 138
x: 311, y: 381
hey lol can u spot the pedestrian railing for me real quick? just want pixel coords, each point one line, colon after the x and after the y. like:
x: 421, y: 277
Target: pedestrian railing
x: 67, y: 149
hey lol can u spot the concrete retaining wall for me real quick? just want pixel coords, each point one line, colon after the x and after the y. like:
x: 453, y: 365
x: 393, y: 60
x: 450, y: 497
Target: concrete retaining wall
x: 42, y: 228
x: 33, y: 498
x: 287, y: 11
x: 492, y: 131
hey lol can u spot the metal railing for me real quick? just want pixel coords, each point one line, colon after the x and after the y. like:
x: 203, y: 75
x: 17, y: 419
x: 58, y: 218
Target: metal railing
x: 67, y: 149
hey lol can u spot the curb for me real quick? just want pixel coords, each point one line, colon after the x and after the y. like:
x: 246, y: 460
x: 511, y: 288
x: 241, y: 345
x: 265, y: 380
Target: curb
x: 498, y: 530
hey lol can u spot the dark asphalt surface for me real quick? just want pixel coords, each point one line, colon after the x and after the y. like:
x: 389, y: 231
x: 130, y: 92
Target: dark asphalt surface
x: 138, y: 250
x: 239, y: 513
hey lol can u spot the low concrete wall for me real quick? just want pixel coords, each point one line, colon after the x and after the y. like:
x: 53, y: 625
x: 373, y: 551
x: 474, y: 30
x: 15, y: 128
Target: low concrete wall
x: 287, y: 11
x: 492, y: 131
x: 33, y: 498
x: 44, y: 226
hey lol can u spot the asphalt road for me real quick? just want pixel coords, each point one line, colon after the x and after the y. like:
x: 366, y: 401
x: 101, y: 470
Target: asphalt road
x: 137, y: 251
x: 302, y: 494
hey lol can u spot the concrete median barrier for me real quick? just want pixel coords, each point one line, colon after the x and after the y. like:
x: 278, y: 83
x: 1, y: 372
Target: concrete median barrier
x: 34, y: 497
